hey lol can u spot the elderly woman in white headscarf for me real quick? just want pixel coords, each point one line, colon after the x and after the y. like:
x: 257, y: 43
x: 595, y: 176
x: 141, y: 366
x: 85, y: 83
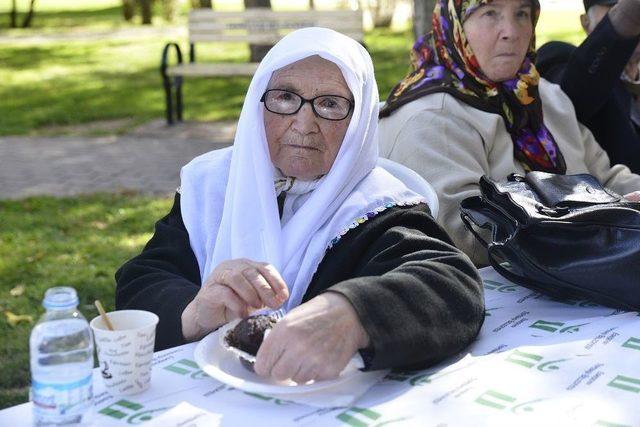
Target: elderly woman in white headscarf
x: 297, y: 215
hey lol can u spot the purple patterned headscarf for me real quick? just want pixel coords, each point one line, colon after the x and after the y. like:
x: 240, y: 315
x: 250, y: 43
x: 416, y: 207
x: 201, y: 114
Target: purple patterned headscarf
x: 443, y: 61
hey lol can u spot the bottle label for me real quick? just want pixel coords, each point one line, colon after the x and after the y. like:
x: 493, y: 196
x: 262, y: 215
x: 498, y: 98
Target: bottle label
x: 62, y: 399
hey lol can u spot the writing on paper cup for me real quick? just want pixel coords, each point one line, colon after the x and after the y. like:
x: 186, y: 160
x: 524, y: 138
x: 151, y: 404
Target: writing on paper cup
x: 125, y: 353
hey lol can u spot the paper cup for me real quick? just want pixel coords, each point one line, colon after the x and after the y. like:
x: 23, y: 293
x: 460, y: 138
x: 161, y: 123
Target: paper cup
x: 125, y: 353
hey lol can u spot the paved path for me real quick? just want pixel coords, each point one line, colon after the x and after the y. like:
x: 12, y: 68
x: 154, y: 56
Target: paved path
x: 147, y: 160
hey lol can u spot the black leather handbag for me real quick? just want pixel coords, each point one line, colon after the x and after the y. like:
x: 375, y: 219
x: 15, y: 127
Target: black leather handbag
x: 564, y: 235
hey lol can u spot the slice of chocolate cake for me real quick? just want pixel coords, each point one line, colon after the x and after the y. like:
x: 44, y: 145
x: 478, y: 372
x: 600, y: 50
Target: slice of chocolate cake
x: 247, y: 336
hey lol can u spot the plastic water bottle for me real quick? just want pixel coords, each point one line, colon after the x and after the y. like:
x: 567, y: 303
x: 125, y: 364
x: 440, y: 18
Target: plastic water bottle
x: 61, y: 351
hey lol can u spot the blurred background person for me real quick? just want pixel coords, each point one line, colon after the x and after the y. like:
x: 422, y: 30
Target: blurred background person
x: 475, y: 105
x: 601, y: 76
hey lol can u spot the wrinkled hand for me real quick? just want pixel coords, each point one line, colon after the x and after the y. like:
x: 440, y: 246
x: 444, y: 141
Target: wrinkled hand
x: 314, y: 341
x: 234, y: 289
x: 634, y: 197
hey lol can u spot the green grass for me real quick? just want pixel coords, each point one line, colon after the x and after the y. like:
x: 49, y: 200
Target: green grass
x: 80, y: 82
x: 559, y: 25
x: 56, y: 16
x: 47, y: 242
x: 72, y: 82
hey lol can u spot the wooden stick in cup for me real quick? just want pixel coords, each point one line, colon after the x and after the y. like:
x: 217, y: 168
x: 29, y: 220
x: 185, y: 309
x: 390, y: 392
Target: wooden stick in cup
x: 103, y: 314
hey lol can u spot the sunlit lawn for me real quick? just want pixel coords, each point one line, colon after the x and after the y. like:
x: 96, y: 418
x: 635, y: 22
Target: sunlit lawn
x: 81, y: 241
x: 78, y: 82
x: 72, y: 82
x: 49, y: 242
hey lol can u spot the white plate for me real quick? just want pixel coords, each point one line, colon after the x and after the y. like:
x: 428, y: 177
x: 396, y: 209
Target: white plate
x: 224, y: 366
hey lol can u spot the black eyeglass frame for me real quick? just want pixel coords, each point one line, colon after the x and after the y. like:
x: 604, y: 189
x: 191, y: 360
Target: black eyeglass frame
x: 304, y: 101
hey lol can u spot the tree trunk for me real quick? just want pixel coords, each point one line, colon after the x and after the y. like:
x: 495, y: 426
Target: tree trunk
x: 422, y: 13
x: 257, y: 3
x: 128, y: 9
x: 384, y: 13
x: 146, y: 11
x: 258, y: 51
x: 206, y: 4
x: 169, y: 9
x: 27, y: 19
x: 312, y: 4
x: 13, y: 15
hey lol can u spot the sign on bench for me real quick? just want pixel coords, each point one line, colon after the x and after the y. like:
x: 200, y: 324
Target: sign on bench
x: 253, y: 26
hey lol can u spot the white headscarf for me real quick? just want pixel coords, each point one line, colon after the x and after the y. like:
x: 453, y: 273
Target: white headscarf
x: 228, y: 199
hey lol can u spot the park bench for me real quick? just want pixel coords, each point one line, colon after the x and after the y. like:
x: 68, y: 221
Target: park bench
x: 260, y: 26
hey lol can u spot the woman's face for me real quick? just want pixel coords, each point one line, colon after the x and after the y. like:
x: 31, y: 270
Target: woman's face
x: 303, y: 145
x: 499, y: 34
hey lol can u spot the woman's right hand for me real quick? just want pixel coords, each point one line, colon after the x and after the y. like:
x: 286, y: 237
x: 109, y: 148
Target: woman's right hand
x: 234, y: 289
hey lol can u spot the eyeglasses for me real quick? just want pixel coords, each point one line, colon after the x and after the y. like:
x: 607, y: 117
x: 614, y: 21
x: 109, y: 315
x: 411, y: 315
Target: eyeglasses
x: 329, y: 107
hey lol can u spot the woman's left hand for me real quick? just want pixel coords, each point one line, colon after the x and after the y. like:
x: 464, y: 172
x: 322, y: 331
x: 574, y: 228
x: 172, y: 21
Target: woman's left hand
x: 314, y: 341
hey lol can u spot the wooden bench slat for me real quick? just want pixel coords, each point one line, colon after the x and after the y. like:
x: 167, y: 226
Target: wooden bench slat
x: 207, y: 15
x: 266, y: 26
x: 274, y: 25
x: 252, y: 38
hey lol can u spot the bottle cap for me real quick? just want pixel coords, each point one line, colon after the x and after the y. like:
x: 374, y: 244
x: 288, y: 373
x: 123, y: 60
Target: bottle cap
x: 60, y: 298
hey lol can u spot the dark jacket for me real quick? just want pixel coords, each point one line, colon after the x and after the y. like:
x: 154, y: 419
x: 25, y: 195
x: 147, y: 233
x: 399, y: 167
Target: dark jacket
x: 418, y: 297
x: 590, y: 76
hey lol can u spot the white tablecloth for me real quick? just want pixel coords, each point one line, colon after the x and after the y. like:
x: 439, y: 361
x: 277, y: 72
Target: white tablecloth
x: 536, y: 361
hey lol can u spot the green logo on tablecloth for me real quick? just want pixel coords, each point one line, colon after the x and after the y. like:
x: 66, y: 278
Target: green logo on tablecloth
x: 493, y: 399
x: 416, y: 378
x: 575, y: 302
x: 556, y: 326
x: 547, y: 326
x: 521, y: 358
x: 268, y: 398
x: 550, y: 365
x: 492, y: 285
x: 362, y: 417
x: 487, y: 312
x: 500, y: 401
x: 625, y: 383
x: 187, y: 367
x: 120, y: 409
x: 529, y: 360
x: 633, y: 343
x: 125, y: 408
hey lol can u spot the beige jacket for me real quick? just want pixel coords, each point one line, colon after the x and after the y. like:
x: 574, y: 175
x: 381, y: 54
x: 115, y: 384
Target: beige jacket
x: 452, y: 145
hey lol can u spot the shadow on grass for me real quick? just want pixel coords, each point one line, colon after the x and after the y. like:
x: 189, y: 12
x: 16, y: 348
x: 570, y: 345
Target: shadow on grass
x: 111, y: 17
x: 77, y: 242
x: 111, y: 95
x: 19, y: 58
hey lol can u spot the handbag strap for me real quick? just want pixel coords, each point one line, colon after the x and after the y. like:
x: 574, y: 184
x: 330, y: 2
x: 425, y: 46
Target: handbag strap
x: 468, y: 221
x: 476, y: 212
